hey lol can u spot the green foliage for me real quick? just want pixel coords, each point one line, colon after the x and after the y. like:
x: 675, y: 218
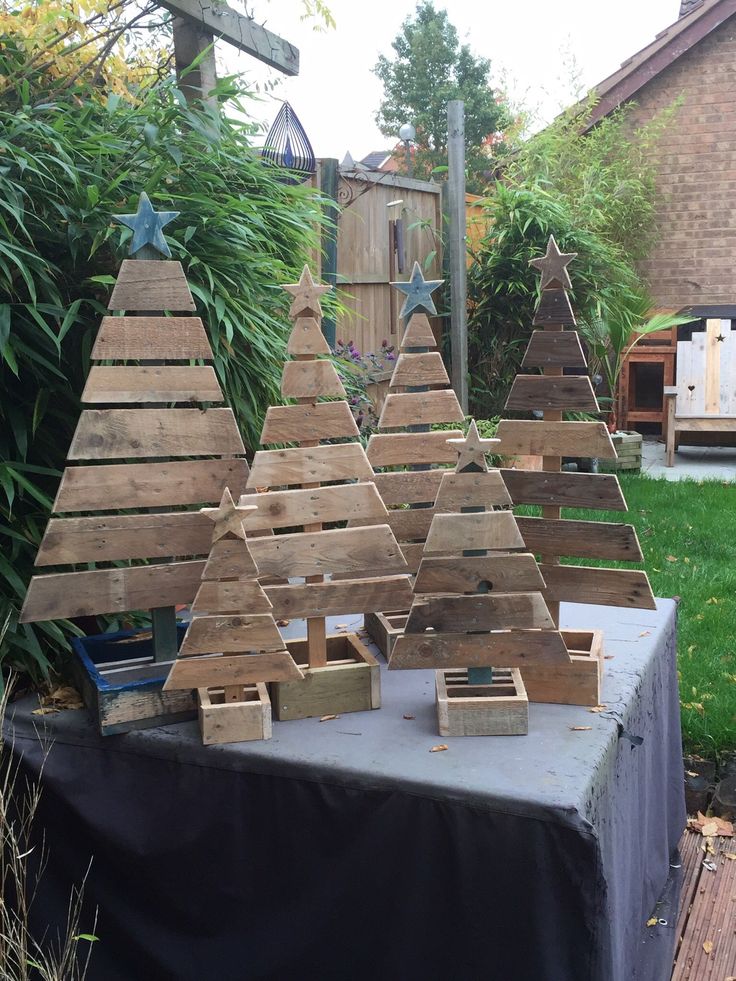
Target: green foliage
x: 429, y: 69
x: 65, y: 168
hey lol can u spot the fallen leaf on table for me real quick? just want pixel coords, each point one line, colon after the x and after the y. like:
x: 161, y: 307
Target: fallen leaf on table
x: 283, y: 623
x: 59, y: 698
x: 608, y: 657
x: 329, y: 718
x: 341, y: 626
x: 580, y: 728
x: 708, y: 946
x: 652, y: 921
x: 48, y: 710
x: 598, y: 708
x: 410, y: 717
x: 439, y: 748
x: 645, y: 633
x: 141, y: 635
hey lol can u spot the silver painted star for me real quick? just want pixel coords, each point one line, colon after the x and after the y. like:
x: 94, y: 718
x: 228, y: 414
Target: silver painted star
x: 147, y: 226
x: 418, y: 293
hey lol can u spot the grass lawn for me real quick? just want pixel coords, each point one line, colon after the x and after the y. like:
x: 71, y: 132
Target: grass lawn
x: 687, y: 532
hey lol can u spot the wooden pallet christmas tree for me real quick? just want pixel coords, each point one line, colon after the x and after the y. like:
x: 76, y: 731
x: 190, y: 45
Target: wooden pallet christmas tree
x: 553, y: 349
x: 138, y: 390
x: 366, y: 566
x: 419, y: 395
x: 233, y: 616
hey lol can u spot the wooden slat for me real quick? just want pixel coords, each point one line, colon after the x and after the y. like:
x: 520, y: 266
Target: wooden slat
x: 309, y: 465
x: 418, y: 333
x: 568, y: 490
x: 145, y: 485
x: 413, y: 555
x: 583, y: 539
x: 151, y: 284
x: 607, y: 587
x: 505, y: 649
x: 420, y: 408
x: 108, y: 538
x: 532, y: 438
x: 413, y: 370
x: 491, y: 611
x: 295, y: 423
x: 323, y: 599
x: 554, y: 309
x: 462, y: 490
x: 149, y: 383
x: 309, y: 379
x: 230, y: 558
x: 345, y: 550
x: 570, y: 392
x: 231, y: 597
x: 79, y: 594
x: 229, y: 669
x: 151, y: 339
x: 453, y: 533
x: 713, y: 331
x: 399, y: 449
x: 409, y: 486
x: 108, y: 434
x: 554, y: 349
x: 307, y: 338
x: 288, y: 509
x: 238, y: 632
x: 407, y: 524
x: 497, y: 573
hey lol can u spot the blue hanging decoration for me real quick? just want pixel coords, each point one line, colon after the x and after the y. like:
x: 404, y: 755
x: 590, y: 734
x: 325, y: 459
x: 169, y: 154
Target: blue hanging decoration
x: 288, y: 146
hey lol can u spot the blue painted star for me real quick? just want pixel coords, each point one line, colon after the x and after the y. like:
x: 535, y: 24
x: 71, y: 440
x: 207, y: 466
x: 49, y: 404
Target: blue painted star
x: 418, y: 293
x: 147, y: 226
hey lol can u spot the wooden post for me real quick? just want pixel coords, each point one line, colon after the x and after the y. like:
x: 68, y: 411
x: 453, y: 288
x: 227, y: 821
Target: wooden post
x: 190, y: 40
x: 458, y: 269
x: 328, y: 187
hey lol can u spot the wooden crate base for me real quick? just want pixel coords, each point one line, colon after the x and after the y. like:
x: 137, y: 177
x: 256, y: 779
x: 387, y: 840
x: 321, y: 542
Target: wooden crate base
x: 384, y: 628
x: 234, y: 722
x: 121, y: 683
x: 628, y: 448
x: 498, y: 709
x: 350, y: 682
x: 578, y: 683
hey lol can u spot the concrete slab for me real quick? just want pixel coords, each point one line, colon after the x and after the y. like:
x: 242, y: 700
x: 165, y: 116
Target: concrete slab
x: 691, y: 462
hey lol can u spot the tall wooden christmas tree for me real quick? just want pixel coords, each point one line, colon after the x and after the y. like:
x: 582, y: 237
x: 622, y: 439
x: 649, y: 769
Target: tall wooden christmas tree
x: 147, y: 402
x: 341, y: 570
x: 553, y: 348
x: 231, y: 615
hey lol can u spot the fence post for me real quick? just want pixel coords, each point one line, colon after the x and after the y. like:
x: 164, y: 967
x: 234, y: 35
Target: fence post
x: 458, y: 249
x: 328, y: 187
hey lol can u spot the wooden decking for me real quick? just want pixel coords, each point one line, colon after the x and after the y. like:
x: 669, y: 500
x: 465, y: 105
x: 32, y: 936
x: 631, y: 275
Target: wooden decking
x: 706, y: 925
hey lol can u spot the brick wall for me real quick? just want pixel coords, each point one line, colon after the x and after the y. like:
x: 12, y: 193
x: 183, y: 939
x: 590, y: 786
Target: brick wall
x: 694, y: 260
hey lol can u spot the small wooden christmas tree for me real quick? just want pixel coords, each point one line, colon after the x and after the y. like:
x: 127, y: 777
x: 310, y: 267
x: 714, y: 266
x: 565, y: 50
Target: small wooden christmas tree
x: 232, y: 615
x: 344, y: 570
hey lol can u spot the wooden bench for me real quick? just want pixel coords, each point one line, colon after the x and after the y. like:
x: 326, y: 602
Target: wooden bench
x: 704, y: 397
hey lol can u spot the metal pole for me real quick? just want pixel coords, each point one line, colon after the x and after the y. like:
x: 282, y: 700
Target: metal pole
x: 458, y: 249
x: 328, y: 187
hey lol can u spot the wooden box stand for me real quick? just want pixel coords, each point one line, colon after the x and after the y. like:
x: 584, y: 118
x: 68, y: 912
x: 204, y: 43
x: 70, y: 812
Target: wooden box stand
x: 498, y: 709
x: 578, y: 683
x: 384, y: 628
x: 628, y: 452
x: 350, y: 682
x: 234, y: 722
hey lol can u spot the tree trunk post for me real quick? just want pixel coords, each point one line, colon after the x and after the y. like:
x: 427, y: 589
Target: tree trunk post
x: 458, y: 249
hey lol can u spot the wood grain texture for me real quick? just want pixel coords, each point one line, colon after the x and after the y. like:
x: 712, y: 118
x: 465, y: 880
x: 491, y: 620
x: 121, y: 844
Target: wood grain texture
x: 151, y: 339
x: 230, y: 558
x: 108, y: 538
x: 471, y: 574
x: 554, y: 349
x: 146, y: 485
x: 606, y: 587
x: 418, y: 333
x: 360, y: 503
x: 240, y: 632
x: 462, y: 490
x: 405, y: 449
x: 486, y: 611
x: 504, y: 649
x: 229, y: 669
x: 454, y: 533
x: 533, y: 438
x: 409, y: 486
x: 149, y: 383
x: 568, y: 392
x: 583, y: 539
x: 151, y: 284
x: 108, y: 434
x: 420, y: 408
x: 413, y: 370
x: 235, y: 722
x: 309, y: 379
x: 309, y: 465
x: 344, y: 550
x: 407, y: 524
x: 307, y: 338
x: 79, y: 594
x: 568, y: 490
x: 576, y: 683
x: 231, y: 597
x: 323, y: 599
x: 320, y: 420
x: 500, y: 709
x: 554, y: 309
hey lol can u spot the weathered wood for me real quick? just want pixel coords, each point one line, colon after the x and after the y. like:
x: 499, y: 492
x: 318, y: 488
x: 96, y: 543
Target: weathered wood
x: 307, y: 338
x: 568, y: 392
x: 231, y: 669
x: 420, y: 408
x: 323, y: 599
x: 471, y: 574
x: 309, y: 465
x: 309, y: 379
x: 297, y: 423
x: 606, y: 587
x: 455, y: 230
x: 79, y: 594
x: 235, y: 722
x: 498, y: 709
x: 151, y: 339
x: 554, y: 349
x: 229, y: 559
x: 576, y: 683
x: 504, y: 649
x: 584, y: 539
x: 230, y: 597
x: 410, y: 524
x: 533, y: 438
x: 453, y: 533
x: 414, y: 370
x: 230, y: 634
x: 108, y: 538
x: 108, y: 434
x: 554, y: 308
x: 418, y: 333
x: 409, y: 486
x: 344, y: 550
x: 287, y: 509
x: 150, y: 284
x: 568, y: 490
x: 461, y: 490
x: 399, y: 449
x: 484, y: 611
x: 149, y: 383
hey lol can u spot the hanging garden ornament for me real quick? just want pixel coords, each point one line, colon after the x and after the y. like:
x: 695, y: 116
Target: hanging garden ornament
x: 288, y: 145
x: 418, y: 293
x: 147, y: 226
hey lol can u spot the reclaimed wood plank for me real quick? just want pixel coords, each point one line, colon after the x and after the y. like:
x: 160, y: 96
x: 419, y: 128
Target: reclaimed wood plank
x: 503, y: 649
x: 453, y: 533
x: 315, y: 421
x: 323, y: 599
x: 309, y: 465
x: 288, y: 509
x: 231, y: 597
x: 568, y: 490
x: 554, y: 309
x: 418, y: 333
x: 229, y: 669
x: 309, y: 379
x: 540, y: 438
x: 485, y: 611
x: 583, y: 539
x: 498, y: 709
x: 307, y: 338
x: 567, y: 392
x: 151, y: 284
x: 405, y: 449
x: 606, y: 587
x: 343, y: 550
x: 409, y: 486
x: 471, y: 574
x: 554, y: 349
x: 462, y: 490
x: 414, y: 370
x: 420, y: 408
x: 151, y: 339
x: 229, y: 559
x: 240, y: 632
x: 151, y: 383
x: 713, y: 331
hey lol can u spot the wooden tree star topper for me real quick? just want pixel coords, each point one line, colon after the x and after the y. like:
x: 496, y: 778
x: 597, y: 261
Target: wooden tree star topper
x: 553, y: 266
x: 418, y: 292
x: 472, y: 451
x: 147, y: 226
x: 228, y: 517
x: 306, y: 295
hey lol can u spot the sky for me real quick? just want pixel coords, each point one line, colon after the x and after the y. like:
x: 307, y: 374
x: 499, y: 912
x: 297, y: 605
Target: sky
x: 535, y: 47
